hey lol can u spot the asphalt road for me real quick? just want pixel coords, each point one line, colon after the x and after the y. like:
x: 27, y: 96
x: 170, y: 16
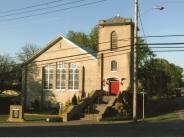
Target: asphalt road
x: 143, y: 129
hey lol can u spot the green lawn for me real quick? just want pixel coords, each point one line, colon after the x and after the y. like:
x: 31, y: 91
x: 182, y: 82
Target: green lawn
x: 168, y: 116
x: 29, y: 118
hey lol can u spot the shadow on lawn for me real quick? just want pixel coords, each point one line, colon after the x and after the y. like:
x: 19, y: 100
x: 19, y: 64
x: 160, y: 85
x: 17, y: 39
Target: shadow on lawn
x: 35, y: 119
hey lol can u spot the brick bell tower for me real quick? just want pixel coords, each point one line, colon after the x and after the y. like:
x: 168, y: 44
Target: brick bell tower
x: 115, y: 40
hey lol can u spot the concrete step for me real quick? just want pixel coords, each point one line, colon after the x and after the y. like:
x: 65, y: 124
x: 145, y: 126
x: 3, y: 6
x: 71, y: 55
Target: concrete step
x: 110, y: 99
x: 95, y: 111
x: 101, y: 107
x: 107, y: 98
x: 90, y: 117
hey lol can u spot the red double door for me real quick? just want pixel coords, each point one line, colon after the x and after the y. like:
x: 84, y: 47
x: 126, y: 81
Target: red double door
x: 114, y: 87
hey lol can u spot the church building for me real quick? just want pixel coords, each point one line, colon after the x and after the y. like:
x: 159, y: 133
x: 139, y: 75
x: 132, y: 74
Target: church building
x: 62, y: 69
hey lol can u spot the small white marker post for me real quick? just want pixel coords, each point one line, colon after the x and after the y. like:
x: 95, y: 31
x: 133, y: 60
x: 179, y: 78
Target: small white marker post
x: 142, y: 104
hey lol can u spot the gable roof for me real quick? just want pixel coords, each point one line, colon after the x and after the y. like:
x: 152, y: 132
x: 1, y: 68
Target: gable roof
x: 116, y: 20
x: 51, y: 43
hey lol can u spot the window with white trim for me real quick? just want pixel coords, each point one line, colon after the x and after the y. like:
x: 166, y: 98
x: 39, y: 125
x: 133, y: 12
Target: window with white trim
x: 73, y: 81
x: 61, y: 76
x: 48, y: 77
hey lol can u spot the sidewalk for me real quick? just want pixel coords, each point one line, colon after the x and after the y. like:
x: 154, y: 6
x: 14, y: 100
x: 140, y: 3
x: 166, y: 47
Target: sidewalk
x: 69, y: 123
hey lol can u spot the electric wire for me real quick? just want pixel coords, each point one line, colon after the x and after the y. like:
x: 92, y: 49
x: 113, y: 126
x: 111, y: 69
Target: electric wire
x: 143, y: 31
x: 40, y: 9
x: 32, y: 6
x: 53, y: 11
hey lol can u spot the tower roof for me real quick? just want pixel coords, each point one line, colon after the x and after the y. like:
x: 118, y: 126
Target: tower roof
x: 115, y: 21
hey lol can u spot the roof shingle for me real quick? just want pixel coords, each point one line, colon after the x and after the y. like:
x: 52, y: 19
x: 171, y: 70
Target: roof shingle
x: 116, y: 20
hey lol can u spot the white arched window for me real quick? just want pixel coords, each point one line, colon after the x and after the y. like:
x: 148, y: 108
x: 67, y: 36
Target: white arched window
x: 113, y: 65
x: 73, y: 81
x: 114, y: 40
x: 61, y: 76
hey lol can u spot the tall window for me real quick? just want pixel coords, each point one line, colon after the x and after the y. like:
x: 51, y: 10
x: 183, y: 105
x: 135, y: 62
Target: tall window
x: 73, y: 82
x: 113, y: 65
x: 48, y: 77
x: 114, y: 40
x: 61, y: 76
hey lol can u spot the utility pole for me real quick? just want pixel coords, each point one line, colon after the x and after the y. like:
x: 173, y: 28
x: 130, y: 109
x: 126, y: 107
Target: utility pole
x: 134, y: 58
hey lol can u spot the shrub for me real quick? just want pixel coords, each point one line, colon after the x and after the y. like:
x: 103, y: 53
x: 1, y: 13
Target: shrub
x: 158, y: 106
x: 124, y: 103
x: 35, y: 105
x: 74, y: 100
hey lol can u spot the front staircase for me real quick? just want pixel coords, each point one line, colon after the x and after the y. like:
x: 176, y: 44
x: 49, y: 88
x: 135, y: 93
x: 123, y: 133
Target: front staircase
x: 91, y: 108
x: 96, y: 110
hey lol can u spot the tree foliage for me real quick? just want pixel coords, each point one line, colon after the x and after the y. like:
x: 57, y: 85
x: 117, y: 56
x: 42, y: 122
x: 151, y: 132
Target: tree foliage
x: 86, y: 40
x: 159, y: 77
x: 9, y: 73
x: 144, y: 53
x: 10, y: 70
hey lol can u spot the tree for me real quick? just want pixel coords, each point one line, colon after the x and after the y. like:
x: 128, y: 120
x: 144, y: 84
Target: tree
x: 94, y: 38
x: 7, y: 73
x: 145, y: 54
x: 159, y: 77
x: 27, y: 51
x: 86, y: 40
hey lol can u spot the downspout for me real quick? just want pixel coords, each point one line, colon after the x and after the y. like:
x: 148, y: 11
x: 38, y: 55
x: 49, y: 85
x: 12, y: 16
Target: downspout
x: 102, y: 70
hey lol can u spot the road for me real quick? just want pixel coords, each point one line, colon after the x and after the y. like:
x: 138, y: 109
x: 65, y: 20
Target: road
x: 143, y: 129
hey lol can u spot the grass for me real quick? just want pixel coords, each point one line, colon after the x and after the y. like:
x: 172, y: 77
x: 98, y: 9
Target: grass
x: 29, y: 118
x: 168, y: 116
x: 40, y: 118
x: 163, y: 117
x: 3, y: 118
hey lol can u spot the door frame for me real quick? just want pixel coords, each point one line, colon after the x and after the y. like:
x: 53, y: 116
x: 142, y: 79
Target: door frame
x: 113, y: 80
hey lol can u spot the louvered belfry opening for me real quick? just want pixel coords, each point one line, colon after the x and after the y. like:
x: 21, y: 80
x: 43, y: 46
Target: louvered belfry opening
x: 114, y: 40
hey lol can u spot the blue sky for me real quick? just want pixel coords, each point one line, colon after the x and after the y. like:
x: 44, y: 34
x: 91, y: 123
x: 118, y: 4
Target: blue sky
x: 41, y: 29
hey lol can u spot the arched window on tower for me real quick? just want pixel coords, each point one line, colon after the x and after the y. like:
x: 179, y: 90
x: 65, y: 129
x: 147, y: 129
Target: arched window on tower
x: 114, y: 40
x: 113, y: 65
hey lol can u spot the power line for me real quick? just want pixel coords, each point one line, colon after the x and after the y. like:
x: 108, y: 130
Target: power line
x: 168, y: 47
x: 157, y: 51
x: 177, y: 35
x: 108, y: 52
x: 32, y: 6
x: 121, y: 47
x: 126, y: 39
x: 182, y: 43
x: 64, y: 57
x: 45, y: 8
x: 74, y: 60
x: 172, y: 2
x: 140, y: 18
x: 53, y: 11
